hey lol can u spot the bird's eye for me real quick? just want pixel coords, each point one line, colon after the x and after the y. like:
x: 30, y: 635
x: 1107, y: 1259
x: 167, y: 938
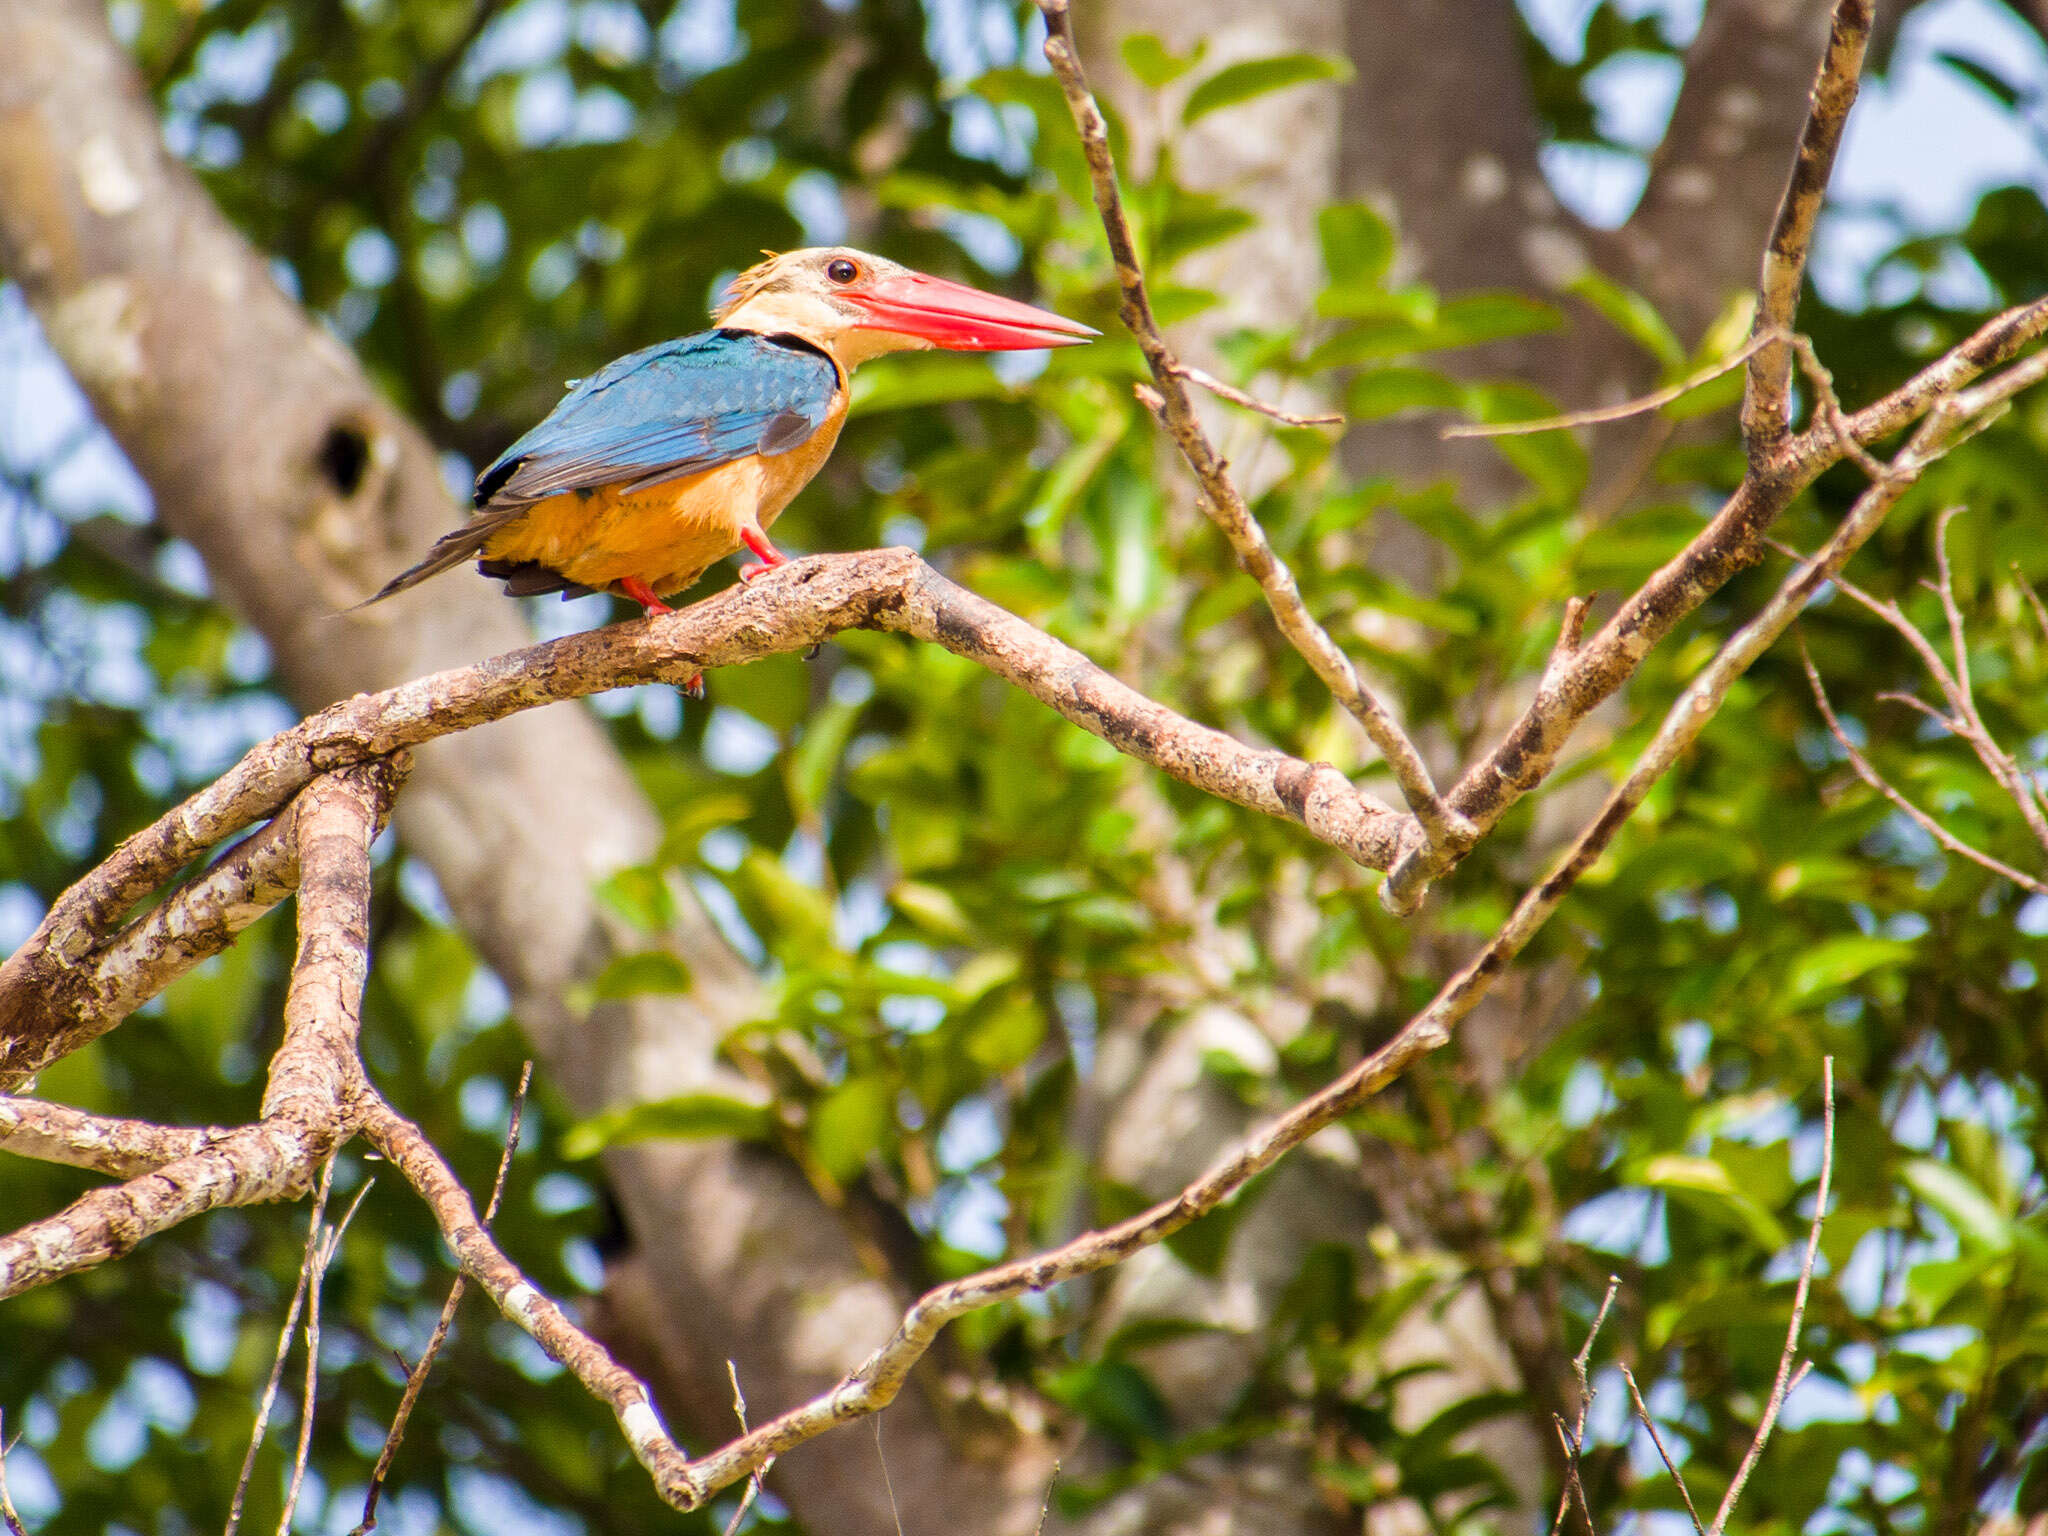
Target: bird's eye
x: 840, y: 270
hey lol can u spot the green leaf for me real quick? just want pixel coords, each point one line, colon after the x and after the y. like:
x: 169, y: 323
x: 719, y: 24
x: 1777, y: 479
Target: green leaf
x: 687, y: 1117
x: 1358, y: 245
x: 1707, y: 1187
x: 641, y: 896
x: 1492, y: 315
x: 1150, y: 64
x: 1634, y: 316
x: 1382, y: 392
x: 635, y: 975
x: 1977, y: 1221
x: 817, y: 754
x: 1834, y: 963
x: 1240, y: 82
x: 851, y: 1121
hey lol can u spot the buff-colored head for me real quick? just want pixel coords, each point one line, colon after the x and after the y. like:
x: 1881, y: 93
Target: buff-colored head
x: 858, y: 306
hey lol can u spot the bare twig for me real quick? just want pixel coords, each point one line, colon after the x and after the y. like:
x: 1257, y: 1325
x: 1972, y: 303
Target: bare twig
x: 1827, y: 408
x: 416, y: 1375
x: 1655, y: 400
x: 1656, y: 1439
x: 1767, y: 410
x: 1221, y: 498
x: 1963, y: 719
x: 284, y: 1346
x: 1869, y: 775
x: 1787, y: 1379
x: 753, y: 1488
x: 8, y: 1513
x: 1236, y: 396
x: 1574, y: 1486
x: 2032, y: 598
x: 330, y: 1243
x: 1574, y: 1439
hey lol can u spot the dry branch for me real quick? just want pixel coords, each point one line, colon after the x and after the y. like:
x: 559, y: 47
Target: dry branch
x: 315, y: 1077
x: 268, y: 1400
x: 1767, y: 410
x: 790, y: 609
x: 416, y: 1376
x: 1175, y: 408
x: 1868, y: 773
x: 119, y: 1148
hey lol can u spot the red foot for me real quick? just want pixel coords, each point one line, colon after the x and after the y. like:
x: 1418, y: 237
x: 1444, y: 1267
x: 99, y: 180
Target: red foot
x: 770, y: 556
x: 643, y: 594
x: 693, y: 688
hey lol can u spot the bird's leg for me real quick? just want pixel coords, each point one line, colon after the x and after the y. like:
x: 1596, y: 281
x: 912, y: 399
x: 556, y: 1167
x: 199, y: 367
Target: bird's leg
x: 641, y: 593
x: 771, y: 557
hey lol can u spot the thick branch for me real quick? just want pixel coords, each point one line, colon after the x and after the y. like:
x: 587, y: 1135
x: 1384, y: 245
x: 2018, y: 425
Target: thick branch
x: 315, y: 1078
x: 122, y: 1149
x: 790, y: 609
x: 64, y: 1006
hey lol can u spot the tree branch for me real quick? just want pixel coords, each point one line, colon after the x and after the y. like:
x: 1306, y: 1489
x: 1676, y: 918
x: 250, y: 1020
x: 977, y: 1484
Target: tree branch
x: 63, y: 1006
x: 1170, y: 402
x: 315, y: 1076
x: 1869, y: 775
x: 790, y: 609
x: 121, y: 1149
x: 1767, y: 408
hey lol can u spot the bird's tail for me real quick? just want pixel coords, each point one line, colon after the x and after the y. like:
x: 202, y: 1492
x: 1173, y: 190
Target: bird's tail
x: 449, y: 551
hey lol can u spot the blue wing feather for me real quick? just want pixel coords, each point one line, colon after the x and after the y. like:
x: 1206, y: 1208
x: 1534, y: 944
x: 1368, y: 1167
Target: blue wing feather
x: 665, y: 411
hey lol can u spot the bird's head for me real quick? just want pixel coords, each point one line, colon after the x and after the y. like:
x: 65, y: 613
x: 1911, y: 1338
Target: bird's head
x: 858, y: 306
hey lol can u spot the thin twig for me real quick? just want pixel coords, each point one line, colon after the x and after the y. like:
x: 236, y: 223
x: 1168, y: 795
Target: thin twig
x: 753, y: 1488
x: 7, y: 1510
x: 1650, y: 1424
x: 1574, y: 1488
x: 889, y: 1483
x: 1236, y: 396
x: 1655, y: 400
x: 1869, y: 775
x: 1575, y: 1438
x: 284, y: 1345
x: 416, y: 1375
x: 1827, y: 407
x: 2033, y: 598
x: 1787, y: 1379
x: 330, y: 1244
x: 1444, y: 829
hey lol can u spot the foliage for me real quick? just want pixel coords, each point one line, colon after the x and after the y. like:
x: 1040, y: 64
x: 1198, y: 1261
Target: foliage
x: 963, y: 905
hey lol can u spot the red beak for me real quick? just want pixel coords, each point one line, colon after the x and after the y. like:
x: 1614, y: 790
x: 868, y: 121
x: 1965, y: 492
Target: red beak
x: 959, y: 318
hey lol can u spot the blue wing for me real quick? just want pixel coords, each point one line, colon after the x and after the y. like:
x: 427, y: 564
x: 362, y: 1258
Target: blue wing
x: 666, y: 411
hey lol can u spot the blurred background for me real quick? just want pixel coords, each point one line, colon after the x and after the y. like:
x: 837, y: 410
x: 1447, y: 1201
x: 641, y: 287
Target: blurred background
x: 981, y: 983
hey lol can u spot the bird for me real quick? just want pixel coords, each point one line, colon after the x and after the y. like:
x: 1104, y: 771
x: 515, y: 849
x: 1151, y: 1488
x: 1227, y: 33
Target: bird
x: 668, y: 460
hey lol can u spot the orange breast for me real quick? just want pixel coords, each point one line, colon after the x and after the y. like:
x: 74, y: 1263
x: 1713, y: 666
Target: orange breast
x: 669, y: 534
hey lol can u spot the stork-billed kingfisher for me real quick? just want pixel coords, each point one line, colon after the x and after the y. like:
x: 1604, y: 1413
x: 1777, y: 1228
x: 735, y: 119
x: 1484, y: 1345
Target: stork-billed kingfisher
x: 675, y: 456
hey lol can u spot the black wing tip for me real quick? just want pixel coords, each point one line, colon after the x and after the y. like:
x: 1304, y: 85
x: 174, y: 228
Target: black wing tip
x: 492, y: 480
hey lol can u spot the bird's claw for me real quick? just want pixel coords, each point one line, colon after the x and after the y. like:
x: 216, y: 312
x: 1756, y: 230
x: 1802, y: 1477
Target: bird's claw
x: 692, y: 688
x: 752, y: 569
